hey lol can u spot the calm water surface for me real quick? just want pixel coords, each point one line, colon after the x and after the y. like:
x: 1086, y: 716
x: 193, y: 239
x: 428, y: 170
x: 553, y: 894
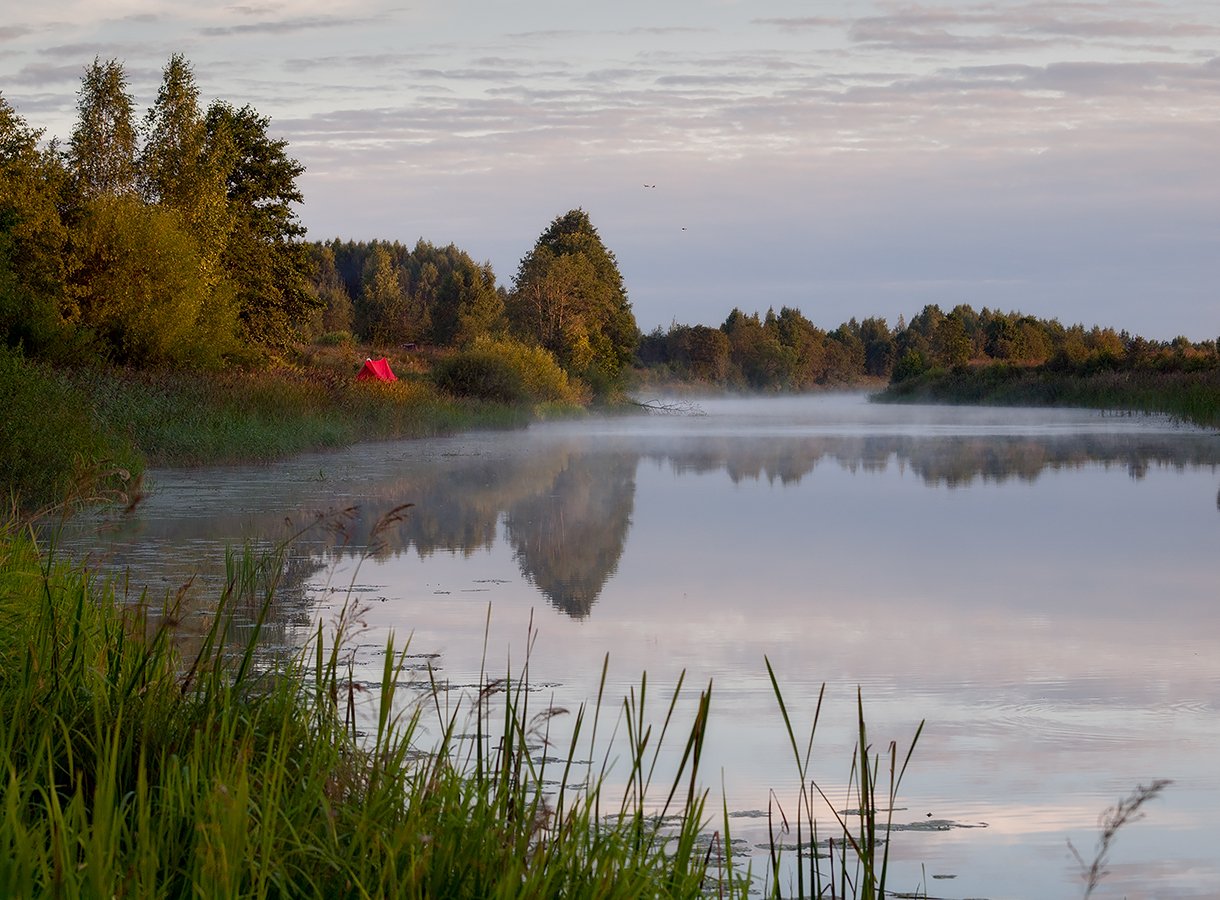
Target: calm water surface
x: 1038, y: 585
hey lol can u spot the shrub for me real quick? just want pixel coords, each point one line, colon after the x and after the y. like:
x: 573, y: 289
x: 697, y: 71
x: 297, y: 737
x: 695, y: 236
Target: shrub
x: 336, y: 339
x: 482, y: 375
x: 505, y: 371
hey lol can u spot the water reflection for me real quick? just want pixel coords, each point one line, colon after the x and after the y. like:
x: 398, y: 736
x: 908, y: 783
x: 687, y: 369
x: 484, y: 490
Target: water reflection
x: 564, y: 494
x: 1039, y: 586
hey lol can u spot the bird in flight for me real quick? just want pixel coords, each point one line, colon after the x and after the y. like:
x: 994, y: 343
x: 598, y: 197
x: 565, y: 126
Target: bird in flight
x: 650, y: 185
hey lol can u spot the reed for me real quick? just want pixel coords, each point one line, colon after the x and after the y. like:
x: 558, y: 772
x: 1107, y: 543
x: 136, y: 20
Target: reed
x: 858, y: 840
x: 132, y: 771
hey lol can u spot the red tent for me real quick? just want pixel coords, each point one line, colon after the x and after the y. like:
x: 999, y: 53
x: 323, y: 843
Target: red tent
x: 377, y: 369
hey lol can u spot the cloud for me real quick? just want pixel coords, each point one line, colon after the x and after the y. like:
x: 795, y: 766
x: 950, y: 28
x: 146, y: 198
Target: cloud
x: 12, y: 32
x: 283, y: 26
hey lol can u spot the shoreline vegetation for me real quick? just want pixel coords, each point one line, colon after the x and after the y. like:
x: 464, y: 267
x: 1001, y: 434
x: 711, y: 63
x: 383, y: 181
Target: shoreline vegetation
x: 160, y: 304
x: 134, y: 771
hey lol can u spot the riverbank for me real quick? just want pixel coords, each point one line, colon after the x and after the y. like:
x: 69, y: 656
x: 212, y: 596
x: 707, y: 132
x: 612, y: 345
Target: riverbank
x: 88, y: 432
x: 1190, y: 395
x: 136, y: 768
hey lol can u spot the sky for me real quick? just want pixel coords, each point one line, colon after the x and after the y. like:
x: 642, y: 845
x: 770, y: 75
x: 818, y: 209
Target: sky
x: 856, y: 158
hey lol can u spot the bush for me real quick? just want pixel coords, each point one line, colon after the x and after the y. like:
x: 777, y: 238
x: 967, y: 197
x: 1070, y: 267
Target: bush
x: 481, y: 375
x: 336, y: 339
x: 504, y: 371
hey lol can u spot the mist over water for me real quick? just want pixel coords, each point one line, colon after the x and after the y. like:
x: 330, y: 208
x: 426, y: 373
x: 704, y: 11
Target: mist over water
x: 1039, y: 585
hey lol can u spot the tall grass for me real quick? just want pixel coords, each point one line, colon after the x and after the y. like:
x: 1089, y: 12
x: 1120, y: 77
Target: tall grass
x: 859, y: 867
x: 261, y: 415
x: 132, y: 771
x: 1190, y: 395
x: 52, y: 442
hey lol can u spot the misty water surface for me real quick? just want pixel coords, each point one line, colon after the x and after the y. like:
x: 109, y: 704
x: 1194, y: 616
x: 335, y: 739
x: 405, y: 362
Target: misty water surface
x: 1039, y: 585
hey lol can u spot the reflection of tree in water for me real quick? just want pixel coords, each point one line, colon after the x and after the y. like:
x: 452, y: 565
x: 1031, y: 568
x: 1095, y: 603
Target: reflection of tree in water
x: 954, y: 461
x: 568, y: 540
x: 566, y: 504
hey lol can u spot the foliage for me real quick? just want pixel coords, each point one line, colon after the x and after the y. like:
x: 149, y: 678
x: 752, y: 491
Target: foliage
x: 138, y: 286
x: 785, y: 351
x: 568, y: 297
x: 1189, y: 393
x: 335, y: 312
x: 32, y: 237
x: 264, y: 258
x: 425, y: 294
x: 102, y: 150
x: 183, y: 167
x: 151, y: 245
x: 504, y: 371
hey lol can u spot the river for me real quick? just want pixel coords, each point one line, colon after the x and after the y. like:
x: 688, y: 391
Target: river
x: 1038, y: 586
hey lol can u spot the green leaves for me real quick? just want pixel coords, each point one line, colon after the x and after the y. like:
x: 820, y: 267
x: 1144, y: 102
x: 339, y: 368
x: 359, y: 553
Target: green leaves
x: 569, y: 298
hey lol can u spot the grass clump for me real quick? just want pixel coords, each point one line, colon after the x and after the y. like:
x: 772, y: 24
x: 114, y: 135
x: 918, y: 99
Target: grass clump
x: 52, y: 443
x: 132, y: 772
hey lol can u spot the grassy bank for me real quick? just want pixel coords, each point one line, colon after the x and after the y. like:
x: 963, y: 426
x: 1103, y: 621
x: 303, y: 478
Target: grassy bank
x: 1192, y: 396
x: 85, y: 431
x: 133, y: 772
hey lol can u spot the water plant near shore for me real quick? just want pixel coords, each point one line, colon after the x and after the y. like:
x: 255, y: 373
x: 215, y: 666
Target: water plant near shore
x: 132, y: 771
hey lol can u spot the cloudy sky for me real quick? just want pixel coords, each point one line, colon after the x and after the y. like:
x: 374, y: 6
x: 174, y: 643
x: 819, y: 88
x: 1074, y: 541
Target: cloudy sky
x: 851, y: 159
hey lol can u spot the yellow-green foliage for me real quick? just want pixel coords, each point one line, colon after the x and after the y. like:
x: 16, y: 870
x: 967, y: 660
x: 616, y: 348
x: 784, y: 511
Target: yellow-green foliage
x: 506, y: 371
x: 139, y: 287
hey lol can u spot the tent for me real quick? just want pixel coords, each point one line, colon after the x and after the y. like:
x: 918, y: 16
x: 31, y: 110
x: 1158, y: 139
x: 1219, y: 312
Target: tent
x: 377, y: 370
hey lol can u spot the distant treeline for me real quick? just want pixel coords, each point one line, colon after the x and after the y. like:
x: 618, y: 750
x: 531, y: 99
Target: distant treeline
x: 785, y: 351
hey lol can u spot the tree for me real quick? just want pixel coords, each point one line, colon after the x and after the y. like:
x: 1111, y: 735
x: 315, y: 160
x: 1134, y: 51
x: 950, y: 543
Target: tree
x: 950, y: 342
x: 102, y: 150
x: 265, y: 259
x: 807, y: 344
x: 569, y: 297
x: 878, y: 346
x: 759, y: 358
x: 336, y: 311
x: 182, y: 167
x: 382, y: 305
x: 32, y: 235
x: 139, y: 288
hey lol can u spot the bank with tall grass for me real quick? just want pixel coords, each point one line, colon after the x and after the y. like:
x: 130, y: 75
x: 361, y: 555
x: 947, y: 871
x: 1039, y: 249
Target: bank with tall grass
x: 134, y: 767
x: 85, y: 431
x: 1191, y: 394
x: 132, y: 772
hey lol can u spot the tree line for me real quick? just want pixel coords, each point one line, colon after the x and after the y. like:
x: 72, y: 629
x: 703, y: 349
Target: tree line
x: 166, y: 238
x: 785, y: 351
x: 172, y: 238
x: 568, y: 298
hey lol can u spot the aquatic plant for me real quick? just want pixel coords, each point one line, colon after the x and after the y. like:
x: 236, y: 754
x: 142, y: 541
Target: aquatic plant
x: 1114, y: 818
x: 133, y: 770
x: 862, y: 833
